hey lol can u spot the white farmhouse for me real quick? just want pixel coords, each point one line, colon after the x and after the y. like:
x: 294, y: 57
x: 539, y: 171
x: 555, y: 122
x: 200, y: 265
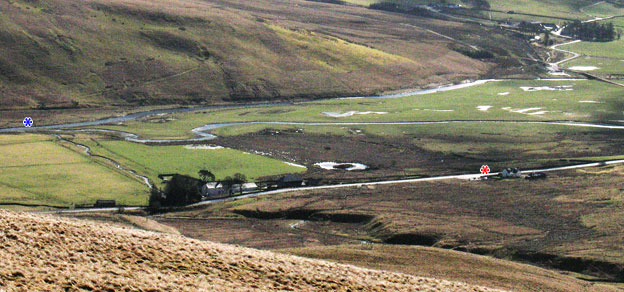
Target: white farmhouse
x: 511, y: 173
x: 245, y: 187
x: 213, y: 189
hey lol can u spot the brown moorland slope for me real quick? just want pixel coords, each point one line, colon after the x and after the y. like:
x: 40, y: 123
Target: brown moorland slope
x: 54, y: 254
x: 452, y: 265
x: 74, y: 54
x: 570, y: 221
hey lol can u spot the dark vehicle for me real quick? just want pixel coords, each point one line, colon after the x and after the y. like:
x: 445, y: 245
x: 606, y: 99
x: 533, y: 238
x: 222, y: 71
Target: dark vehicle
x: 105, y: 204
x: 536, y: 175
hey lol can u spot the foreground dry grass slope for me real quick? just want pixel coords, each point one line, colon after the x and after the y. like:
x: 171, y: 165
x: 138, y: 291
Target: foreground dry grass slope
x: 452, y: 265
x: 51, y: 254
x: 73, y: 54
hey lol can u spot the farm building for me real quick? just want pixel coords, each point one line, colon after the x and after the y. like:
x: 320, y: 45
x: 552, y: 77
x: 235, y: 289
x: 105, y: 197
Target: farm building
x: 245, y: 187
x: 216, y: 189
x: 290, y: 181
x: 213, y: 189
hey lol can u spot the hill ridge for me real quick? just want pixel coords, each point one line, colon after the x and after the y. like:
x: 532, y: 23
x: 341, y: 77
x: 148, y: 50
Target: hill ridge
x: 42, y: 252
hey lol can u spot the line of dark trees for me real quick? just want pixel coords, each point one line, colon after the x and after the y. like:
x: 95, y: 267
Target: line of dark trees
x: 591, y: 31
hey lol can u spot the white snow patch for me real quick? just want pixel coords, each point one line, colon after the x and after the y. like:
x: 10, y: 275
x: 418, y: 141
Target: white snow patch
x: 558, y: 73
x: 525, y: 110
x: 504, y: 93
x: 203, y: 147
x: 583, y: 68
x: 294, y: 164
x: 552, y: 88
x: 434, y: 110
x: 589, y: 101
x: 332, y: 166
x: 484, y: 108
x: 351, y: 113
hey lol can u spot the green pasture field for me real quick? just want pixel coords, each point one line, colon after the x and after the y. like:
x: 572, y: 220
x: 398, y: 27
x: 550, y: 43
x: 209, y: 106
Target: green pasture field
x: 154, y: 160
x: 604, y: 9
x: 35, y: 169
x: 586, y: 101
x: 613, y: 49
x: 605, y: 65
x: 556, y: 8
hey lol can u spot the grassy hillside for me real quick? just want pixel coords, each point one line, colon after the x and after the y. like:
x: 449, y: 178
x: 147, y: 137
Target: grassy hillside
x: 67, y: 53
x: 47, y: 253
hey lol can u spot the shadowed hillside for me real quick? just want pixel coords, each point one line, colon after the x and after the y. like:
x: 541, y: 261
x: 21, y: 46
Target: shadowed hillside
x: 47, y: 253
x: 72, y: 54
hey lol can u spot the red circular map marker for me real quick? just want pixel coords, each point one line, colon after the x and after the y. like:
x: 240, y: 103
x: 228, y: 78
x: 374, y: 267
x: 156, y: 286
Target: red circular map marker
x: 485, y: 169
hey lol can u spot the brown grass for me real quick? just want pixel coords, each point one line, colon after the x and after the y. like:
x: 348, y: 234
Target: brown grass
x: 53, y: 254
x: 124, y: 220
x: 451, y: 265
x: 570, y: 221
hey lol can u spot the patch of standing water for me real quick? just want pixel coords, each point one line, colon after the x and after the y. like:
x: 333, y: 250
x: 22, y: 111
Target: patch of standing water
x: 346, y: 166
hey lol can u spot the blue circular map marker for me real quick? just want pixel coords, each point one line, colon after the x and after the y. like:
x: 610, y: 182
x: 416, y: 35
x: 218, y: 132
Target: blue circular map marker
x: 28, y: 122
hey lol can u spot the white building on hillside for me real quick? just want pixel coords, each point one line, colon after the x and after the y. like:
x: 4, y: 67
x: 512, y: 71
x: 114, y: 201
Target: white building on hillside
x: 213, y: 189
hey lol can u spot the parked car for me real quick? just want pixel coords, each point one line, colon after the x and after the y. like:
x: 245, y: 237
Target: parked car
x: 536, y: 175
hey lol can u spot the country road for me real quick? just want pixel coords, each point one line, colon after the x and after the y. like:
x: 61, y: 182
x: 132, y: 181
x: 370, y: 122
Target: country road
x: 556, y: 48
x: 351, y: 185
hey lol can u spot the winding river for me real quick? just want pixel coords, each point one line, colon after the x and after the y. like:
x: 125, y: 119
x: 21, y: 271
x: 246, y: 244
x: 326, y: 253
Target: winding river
x: 203, y: 133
